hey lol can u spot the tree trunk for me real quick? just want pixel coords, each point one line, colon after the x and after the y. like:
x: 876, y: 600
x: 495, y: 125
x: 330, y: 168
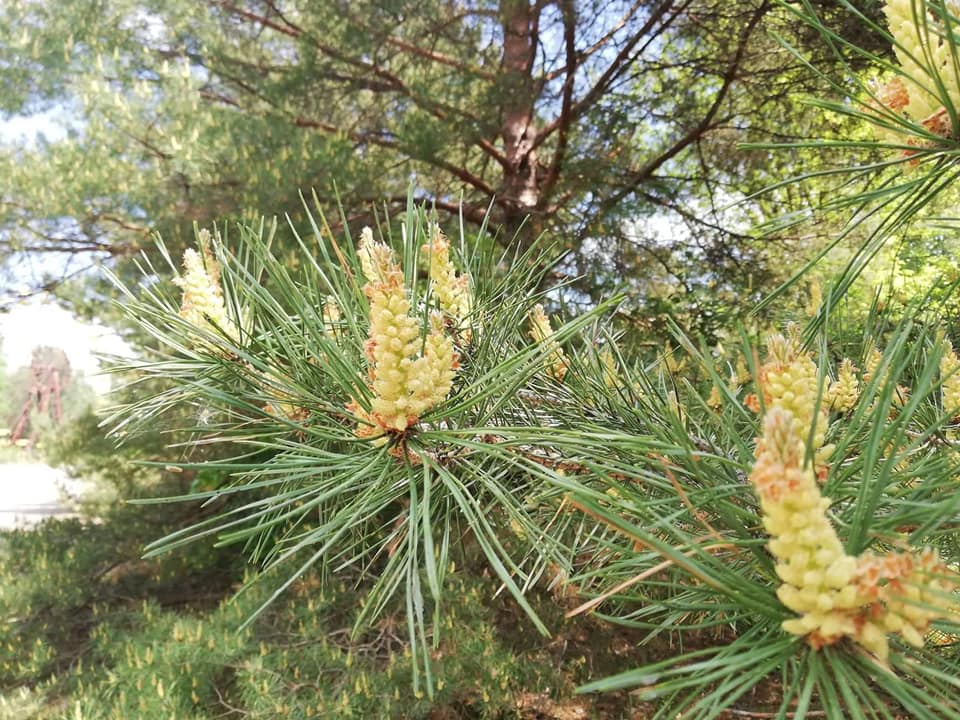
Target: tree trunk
x: 519, y: 193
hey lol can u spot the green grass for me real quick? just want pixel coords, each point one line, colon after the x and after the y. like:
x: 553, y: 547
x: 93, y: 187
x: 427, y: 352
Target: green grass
x: 93, y: 632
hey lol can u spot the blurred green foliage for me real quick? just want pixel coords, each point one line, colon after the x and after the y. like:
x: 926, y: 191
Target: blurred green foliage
x: 93, y: 632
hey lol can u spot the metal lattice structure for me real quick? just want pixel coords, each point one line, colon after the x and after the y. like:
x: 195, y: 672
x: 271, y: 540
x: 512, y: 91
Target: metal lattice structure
x: 47, y: 380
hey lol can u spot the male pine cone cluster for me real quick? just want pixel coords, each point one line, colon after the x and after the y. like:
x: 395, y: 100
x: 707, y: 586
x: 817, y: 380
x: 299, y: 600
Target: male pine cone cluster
x: 410, y: 369
x: 408, y: 373
x: 929, y: 79
x: 836, y: 595
x: 202, y: 305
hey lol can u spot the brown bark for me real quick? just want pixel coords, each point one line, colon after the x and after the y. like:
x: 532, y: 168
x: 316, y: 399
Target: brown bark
x: 519, y: 192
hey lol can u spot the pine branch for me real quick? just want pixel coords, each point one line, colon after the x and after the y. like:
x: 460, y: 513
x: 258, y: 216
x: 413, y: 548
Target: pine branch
x: 619, y: 65
x: 706, y: 123
x: 389, y: 142
x: 568, y: 9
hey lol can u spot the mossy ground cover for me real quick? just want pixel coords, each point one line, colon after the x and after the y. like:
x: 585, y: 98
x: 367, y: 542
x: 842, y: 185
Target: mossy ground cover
x: 91, y: 631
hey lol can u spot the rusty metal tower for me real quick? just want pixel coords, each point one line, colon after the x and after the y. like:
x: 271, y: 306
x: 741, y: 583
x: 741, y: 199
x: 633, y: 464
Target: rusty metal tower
x: 47, y: 380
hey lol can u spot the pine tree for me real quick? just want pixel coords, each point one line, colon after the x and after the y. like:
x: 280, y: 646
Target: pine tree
x: 581, y: 119
x: 404, y: 405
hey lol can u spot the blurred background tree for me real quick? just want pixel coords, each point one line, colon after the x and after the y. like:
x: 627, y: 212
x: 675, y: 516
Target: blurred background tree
x: 613, y: 125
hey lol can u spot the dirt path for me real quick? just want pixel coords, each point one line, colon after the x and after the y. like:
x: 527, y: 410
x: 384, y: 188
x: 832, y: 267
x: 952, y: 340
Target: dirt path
x: 30, y: 492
